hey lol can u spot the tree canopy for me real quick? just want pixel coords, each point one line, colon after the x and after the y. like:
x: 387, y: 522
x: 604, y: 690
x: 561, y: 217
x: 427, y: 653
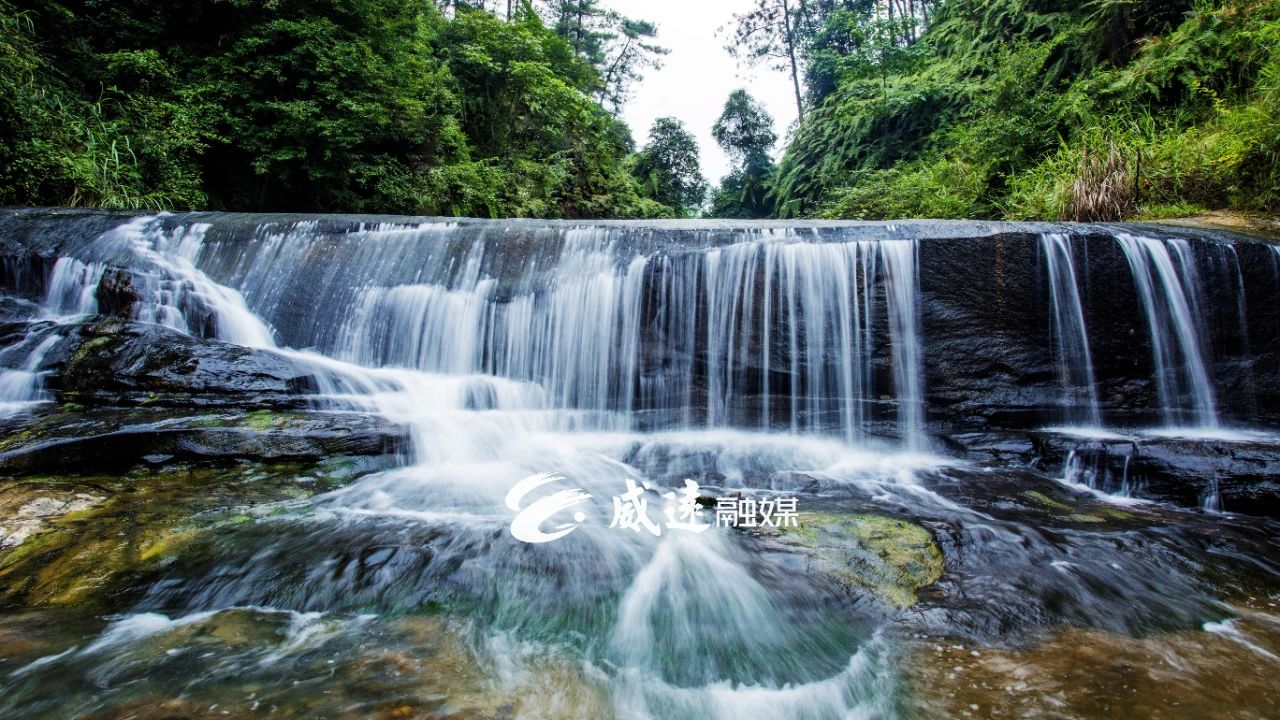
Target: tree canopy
x: 669, y: 168
x: 745, y: 132
x: 357, y: 106
x: 955, y: 108
x: 1027, y: 108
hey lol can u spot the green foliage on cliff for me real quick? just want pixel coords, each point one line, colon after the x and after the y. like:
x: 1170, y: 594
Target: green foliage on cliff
x: 307, y: 105
x: 1045, y: 109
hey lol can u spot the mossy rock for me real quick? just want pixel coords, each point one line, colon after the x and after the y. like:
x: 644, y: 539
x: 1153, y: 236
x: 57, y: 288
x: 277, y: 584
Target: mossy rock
x: 1045, y: 500
x: 111, y: 439
x: 892, y: 558
x: 1081, y: 518
x: 118, y: 531
x: 1090, y: 511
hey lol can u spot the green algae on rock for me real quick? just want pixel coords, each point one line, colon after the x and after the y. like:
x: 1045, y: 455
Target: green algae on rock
x: 891, y: 558
x: 119, y: 438
x: 111, y: 532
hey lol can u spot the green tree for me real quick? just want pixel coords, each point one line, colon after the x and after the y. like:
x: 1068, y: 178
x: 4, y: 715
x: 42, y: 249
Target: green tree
x: 668, y: 167
x: 403, y: 106
x: 745, y: 131
x: 1029, y: 108
x: 773, y: 33
x: 585, y: 25
x: 744, y: 128
x: 618, y: 47
x: 631, y: 52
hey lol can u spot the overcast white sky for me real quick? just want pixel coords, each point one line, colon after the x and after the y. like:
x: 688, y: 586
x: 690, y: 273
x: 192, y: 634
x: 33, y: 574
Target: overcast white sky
x: 699, y: 74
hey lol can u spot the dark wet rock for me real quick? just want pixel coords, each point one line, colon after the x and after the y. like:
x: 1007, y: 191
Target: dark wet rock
x: 107, y: 439
x: 1234, y: 476
x: 117, y: 296
x: 114, y: 362
x: 989, y: 355
x: 989, y: 347
x: 1041, y: 554
x: 15, y: 314
x: 1025, y: 495
x: 994, y: 447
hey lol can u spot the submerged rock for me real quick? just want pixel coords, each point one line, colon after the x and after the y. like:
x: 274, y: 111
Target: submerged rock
x: 1225, y: 669
x: 26, y: 509
x: 102, y: 538
x: 251, y: 662
x: 892, y: 558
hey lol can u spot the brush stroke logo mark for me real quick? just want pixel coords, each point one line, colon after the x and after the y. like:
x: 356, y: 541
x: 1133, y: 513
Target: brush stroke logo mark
x: 527, y: 526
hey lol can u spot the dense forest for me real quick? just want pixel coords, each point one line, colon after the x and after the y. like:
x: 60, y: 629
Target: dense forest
x: 941, y: 108
x: 1029, y: 109
x: 408, y: 106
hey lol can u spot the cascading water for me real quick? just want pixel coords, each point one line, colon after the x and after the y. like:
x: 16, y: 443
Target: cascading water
x: 758, y: 361
x: 505, y: 371
x: 1170, y: 301
x: 20, y: 372
x: 178, y: 295
x: 1071, y: 338
x: 71, y: 295
x: 787, y: 337
x: 72, y: 289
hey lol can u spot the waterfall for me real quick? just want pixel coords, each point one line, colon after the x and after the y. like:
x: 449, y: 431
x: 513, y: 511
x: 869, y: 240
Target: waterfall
x: 816, y: 324
x: 176, y: 293
x: 766, y: 329
x: 20, y: 376
x: 902, y: 286
x: 1071, y: 339
x: 71, y: 294
x: 73, y: 287
x: 1171, y: 304
x: 758, y: 361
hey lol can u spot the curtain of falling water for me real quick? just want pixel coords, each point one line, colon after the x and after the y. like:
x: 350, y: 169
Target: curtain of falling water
x: 774, y: 333
x: 1182, y: 376
x: 1071, y: 338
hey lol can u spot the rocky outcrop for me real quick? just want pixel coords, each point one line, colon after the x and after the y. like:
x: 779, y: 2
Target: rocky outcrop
x: 66, y: 441
x: 133, y: 394
x: 116, y: 362
x: 1237, y: 475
